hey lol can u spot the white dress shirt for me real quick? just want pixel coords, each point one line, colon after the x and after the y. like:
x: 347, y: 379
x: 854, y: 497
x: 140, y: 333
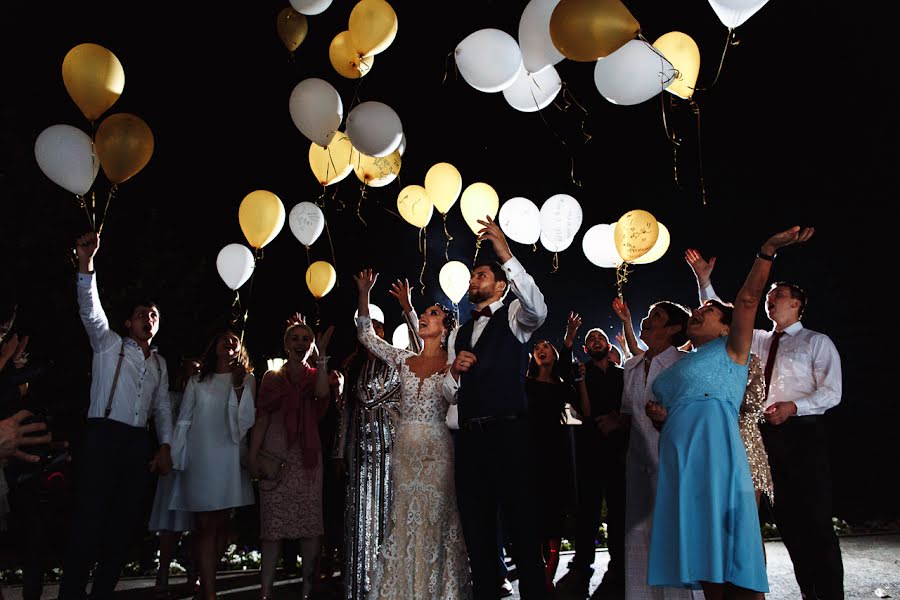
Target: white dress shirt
x: 526, y: 314
x: 143, y: 383
x: 807, y: 368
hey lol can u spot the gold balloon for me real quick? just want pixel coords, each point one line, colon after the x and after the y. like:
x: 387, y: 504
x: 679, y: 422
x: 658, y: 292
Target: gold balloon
x: 94, y: 78
x: 124, y: 145
x: 635, y: 234
x: 443, y: 184
x: 331, y: 164
x: 376, y: 171
x: 373, y: 26
x: 347, y: 61
x: 320, y: 278
x: 415, y: 206
x: 292, y: 28
x: 680, y: 50
x: 659, y: 248
x: 478, y: 201
x: 586, y: 30
x: 261, y: 216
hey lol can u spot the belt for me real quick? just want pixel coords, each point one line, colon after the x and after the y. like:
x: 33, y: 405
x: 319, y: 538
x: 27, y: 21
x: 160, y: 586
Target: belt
x: 484, y: 423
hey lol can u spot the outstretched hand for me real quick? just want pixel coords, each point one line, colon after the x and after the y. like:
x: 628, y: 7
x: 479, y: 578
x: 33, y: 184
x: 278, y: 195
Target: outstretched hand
x: 86, y: 248
x: 788, y: 237
x: 572, y: 325
x: 491, y: 231
x: 702, y: 269
x: 296, y: 319
x: 323, y: 339
x: 365, y: 280
x: 401, y: 291
x: 621, y: 309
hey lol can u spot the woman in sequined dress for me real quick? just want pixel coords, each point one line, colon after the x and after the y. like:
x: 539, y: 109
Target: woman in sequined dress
x: 363, y: 451
x: 748, y: 423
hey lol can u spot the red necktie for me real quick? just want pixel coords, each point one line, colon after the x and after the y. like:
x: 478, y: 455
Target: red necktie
x: 770, y: 361
x: 484, y: 312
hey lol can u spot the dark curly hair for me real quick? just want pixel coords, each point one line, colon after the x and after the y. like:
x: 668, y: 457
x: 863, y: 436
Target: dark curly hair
x: 449, y: 322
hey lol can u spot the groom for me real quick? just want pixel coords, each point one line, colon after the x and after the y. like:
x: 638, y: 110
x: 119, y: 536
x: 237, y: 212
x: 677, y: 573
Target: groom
x: 486, y: 378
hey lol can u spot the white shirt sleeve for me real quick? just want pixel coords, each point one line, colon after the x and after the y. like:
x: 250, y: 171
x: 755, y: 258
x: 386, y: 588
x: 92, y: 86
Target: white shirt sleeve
x: 242, y: 414
x: 93, y: 316
x: 162, y: 405
x: 708, y: 293
x: 528, y: 312
x: 450, y: 386
x: 826, y: 370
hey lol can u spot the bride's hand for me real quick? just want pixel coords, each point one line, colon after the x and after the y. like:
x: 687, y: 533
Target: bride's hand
x: 365, y: 280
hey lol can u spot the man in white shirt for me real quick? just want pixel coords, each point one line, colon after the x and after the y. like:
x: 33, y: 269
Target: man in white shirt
x: 803, y: 380
x: 129, y: 380
x: 488, y: 359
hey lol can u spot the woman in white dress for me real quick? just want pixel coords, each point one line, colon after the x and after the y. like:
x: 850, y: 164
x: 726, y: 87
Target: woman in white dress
x: 217, y: 411
x: 424, y: 554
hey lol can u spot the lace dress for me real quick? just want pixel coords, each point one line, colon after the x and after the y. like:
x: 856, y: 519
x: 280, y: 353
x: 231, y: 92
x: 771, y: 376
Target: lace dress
x: 748, y: 422
x: 424, y: 554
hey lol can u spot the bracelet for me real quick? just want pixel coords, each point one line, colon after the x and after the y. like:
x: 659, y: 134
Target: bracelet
x: 769, y: 257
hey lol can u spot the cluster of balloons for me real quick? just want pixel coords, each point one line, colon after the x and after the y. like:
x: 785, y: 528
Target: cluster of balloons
x: 416, y: 203
x: 637, y: 238
x: 555, y: 224
x: 372, y: 28
x: 122, y: 144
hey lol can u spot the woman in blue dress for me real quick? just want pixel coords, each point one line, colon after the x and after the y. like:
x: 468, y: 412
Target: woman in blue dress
x: 705, y: 526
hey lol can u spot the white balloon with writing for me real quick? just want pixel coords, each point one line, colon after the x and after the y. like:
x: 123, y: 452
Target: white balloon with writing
x: 530, y: 93
x: 538, y: 51
x: 235, y: 265
x: 317, y: 110
x: 65, y: 155
x: 374, y: 129
x: 489, y: 60
x: 454, y: 280
x: 561, y: 217
x: 599, y: 246
x: 520, y: 220
x: 306, y: 221
x: 633, y: 74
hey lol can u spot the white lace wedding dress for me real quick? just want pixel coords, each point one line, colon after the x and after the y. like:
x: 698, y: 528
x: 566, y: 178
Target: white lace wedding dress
x: 424, y: 554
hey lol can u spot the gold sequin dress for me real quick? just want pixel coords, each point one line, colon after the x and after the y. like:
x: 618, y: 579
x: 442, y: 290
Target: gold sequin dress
x: 748, y: 421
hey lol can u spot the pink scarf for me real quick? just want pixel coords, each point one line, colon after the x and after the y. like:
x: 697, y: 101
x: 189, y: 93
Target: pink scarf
x: 300, y: 407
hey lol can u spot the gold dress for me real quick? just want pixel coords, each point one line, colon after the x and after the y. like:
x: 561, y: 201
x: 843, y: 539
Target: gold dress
x: 748, y: 421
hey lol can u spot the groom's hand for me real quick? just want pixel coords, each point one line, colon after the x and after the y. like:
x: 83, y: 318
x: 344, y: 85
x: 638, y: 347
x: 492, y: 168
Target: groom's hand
x: 464, y: 361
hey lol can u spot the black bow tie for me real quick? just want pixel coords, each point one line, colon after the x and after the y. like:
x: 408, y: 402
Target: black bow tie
x: 484, y: 312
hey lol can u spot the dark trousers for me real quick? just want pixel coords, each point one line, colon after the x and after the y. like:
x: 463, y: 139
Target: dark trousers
x: 798, y: 457
x: 112, y: 480
x: 493, y: 468
x: 600, y: 468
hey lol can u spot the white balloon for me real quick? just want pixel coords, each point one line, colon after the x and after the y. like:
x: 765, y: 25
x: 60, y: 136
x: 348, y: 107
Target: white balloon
x: 560, y: 220
x: 489, y: 60
x: 734, y: 13
x: 375, y: 313
x: 402, y: 147
x: 454, y: 280
x: 658, y: 249
x: 400, y: 337
x: 310, y: 7
x: 374, y: 128
x: 235, y: 265
x: 316, y: 109
x: 538, y: 51
x: 65, y: 155
x: 306, y: 222
x: 520, y: 220
x: 633, y: 74
x: 599, y: 246
x: 530, y: 93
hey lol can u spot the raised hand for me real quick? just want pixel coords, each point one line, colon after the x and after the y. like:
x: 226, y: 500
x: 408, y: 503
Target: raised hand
x: 401, y: 291
x: 702, y: 269
x: 296, y: 319
x: 572, y: 325
x: 323, y: 339
x: 621, y: 309
x: 365, y: 280
x: 86, y: 248
x: 788, y: 237
x: 491, y: 231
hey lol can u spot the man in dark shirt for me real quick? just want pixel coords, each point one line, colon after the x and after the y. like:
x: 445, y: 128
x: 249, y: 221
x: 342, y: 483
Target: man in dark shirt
x: 600, y: 462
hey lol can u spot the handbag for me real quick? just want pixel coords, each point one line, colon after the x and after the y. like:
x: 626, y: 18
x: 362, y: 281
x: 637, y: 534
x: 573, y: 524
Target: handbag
x: 270, y: 465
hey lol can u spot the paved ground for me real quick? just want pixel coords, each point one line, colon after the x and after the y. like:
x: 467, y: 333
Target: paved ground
x: 871, y: 569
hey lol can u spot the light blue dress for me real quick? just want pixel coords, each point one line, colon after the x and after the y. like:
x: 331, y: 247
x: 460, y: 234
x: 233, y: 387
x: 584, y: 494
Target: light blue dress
x: 705, y: 522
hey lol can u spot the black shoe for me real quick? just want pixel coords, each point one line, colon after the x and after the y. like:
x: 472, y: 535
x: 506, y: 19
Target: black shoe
x: 575, y: 582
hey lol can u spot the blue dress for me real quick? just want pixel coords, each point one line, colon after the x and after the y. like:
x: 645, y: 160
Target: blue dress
x: 705, y: 522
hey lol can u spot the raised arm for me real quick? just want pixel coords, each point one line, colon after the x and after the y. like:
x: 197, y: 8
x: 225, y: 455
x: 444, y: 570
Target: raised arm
x: 89, y: 308
x: 323, y: 383
x: 702, y: 273
x: 624, y: 313
x: 365, y: 280
x: 401, y: 291
x: 748, y: 298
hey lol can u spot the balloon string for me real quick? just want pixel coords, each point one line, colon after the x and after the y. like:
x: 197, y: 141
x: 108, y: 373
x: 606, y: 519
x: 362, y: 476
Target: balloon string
x: 449, y: 238
x: 672, y: 137
x: 363, y: 63
x: 362, y: 196
x: 341, y: 204
x: 555, y: 262
x: 534, y: 247
x: 730, y: 40
x: 447, y: 66
x: 112, y: 193
x: 256, y: 258
x: 337, y: 282
x: 477, y: 248
x: 561, y: 140
x: 696, y: 108
x: 355, y: 95
x: 423, y: 247
x: 621, y: 278
x: 83, y: 205
x: 664, y: 81
x: 308, y: 259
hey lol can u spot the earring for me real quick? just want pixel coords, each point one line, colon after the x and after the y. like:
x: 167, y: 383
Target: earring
x: 443, y: 338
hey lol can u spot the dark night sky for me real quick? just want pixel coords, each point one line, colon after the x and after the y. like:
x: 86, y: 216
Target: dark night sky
x: 797, y: 130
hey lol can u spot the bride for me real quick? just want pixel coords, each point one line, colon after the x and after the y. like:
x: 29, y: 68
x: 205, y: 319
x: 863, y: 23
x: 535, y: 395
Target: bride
x: 424, y: 554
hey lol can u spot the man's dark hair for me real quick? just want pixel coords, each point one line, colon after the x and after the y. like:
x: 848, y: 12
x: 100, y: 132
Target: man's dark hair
x: 726, y: 309
x: 676, y: 315
x: 136, y: 301
x: 797, y: 293
x: 496, y: 269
